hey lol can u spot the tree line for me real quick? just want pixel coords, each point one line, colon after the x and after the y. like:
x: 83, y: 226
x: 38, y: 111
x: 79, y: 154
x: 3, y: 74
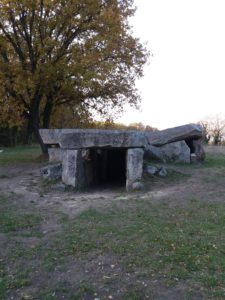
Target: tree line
x: 12, y: 136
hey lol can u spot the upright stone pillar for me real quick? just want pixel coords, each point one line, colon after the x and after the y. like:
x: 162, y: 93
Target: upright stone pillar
x: 55, y: 154
x: 134, y: 167
x: 72, y: 168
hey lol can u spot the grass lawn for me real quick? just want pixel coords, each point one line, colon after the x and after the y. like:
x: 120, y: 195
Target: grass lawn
x: 129, y: 250
x: 165, y: 244
x: 20, y: 154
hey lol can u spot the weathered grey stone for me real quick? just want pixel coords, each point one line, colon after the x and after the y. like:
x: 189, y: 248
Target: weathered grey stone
x: 52, y: 136
x: 55, y: 154
x: 52, y: 172
x: 72, y: 168
x: 154, y: 153
x: 193, y: 158
x: 102, y: 138
x: 88, y: 138
x: 199, y: 150
x: 176, y: 152
x: 159, y: 138
x: 162, y: 172
x: 151, y: 170
x: 134, y: 166
x: 60, y: 187
x: 173, y: 152
x: 137, y: 186
x: 79, y: 168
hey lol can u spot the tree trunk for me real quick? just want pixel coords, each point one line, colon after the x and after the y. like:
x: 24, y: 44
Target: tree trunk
x: 47, y: 113
x: 34, y: 122
x: 36, y: 127
x: 44, y: 148
x: 29, y: 131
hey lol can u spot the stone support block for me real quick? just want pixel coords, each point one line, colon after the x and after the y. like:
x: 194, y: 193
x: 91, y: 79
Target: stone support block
x: 72, y: 168
x: 199, y: 150
x: 52, y: 172
x: 134, y: 167
x: 55, y: 154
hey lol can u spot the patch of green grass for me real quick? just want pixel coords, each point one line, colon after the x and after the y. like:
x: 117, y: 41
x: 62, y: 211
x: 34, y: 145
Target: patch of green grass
x: 175, y: 243
x: 64, y: 291
x: 16, y: 279
x: 3, y: 287
x: 85, y: 290
x: 20, y: 154
x: 172, y: 243
x: 51, y: 257
x: 214, y: 161
x: 171, y: 177
x: 134, y: 293
x: 12, y: 219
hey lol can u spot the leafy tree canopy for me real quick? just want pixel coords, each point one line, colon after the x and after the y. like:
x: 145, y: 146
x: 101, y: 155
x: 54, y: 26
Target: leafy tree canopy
x: 67, y: 53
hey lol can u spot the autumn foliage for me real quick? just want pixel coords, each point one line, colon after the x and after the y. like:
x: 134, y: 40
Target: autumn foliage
x: 72, y: 54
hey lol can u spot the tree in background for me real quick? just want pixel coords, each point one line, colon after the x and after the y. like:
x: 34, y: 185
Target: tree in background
x: 66, y: 119
x: 214, y: 129
x: 217, y: 127
x: 206, y: 131
x: 58, y: 54
x: 10, y: 121
x: 140, y: 126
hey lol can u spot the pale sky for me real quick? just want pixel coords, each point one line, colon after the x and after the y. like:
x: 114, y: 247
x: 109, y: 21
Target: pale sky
x: 185, y: 80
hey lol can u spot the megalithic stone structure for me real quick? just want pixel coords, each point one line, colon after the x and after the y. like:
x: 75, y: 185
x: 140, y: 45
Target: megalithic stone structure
x: 92, y: 156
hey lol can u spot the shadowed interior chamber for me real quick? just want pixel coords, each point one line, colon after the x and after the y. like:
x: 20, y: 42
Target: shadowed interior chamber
x: 108, y: 166
x: 189, y: 142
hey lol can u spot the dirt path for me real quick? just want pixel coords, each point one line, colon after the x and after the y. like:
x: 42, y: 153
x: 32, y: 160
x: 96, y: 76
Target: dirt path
x: 198, y: 183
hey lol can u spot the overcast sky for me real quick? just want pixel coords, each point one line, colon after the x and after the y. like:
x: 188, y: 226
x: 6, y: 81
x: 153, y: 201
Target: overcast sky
x: 185, y: 80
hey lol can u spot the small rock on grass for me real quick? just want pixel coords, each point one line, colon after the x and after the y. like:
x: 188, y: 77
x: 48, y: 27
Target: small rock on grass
x: 162, y: 172
x: 151, y: 170
x: 137, y: 186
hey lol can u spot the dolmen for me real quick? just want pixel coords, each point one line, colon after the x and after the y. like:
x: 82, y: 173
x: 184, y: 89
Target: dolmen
x: 90, y: 157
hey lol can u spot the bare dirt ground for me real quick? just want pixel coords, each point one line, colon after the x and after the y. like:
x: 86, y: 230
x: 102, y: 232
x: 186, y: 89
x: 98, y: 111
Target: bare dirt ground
x: 23, y: 182
x: 197, y: 182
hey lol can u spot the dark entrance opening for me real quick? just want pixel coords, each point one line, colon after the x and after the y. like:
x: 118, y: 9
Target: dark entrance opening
x: 189, y: 142
x: 109, y: 166
x: 116, y: 166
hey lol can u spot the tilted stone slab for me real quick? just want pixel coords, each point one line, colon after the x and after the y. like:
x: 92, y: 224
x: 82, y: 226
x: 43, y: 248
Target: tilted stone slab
x: 175, y: 134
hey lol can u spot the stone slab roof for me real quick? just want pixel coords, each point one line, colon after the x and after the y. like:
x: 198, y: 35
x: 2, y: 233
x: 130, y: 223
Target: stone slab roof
x: 94, y: 138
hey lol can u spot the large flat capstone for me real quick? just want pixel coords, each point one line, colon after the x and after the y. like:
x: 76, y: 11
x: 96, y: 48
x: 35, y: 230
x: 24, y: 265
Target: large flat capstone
x: 93, y: 138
